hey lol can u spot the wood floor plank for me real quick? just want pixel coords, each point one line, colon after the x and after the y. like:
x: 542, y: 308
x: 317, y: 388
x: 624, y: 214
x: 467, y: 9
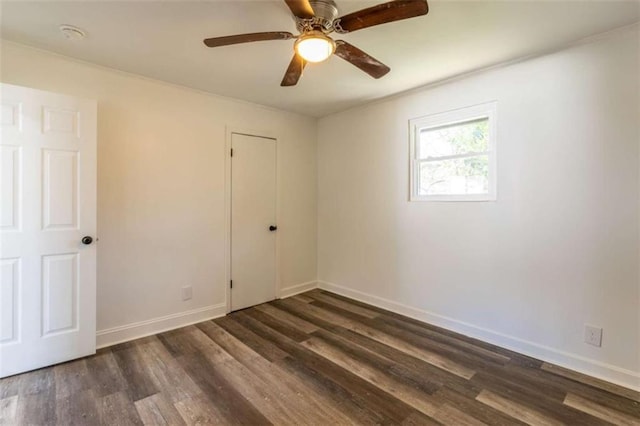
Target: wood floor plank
x: 309, y: 308
x: 116, y: 409
x: 515, y: 380
x: 207, y: 347
x: 287, y: 318
x: 140, y: 384
x: 267, y: 387
x: 387, y: 366
x: 596, y: 394
x: 176, y: 342
x: 344, y: 399
x: 470, y: 406
x: 200, y: 411
x: 235, y: 347
x: 515, y: 357
x: 249, y: 338
x: 445, y: 336
x: 230, y: 403
x: 402, y: 360
x: 419, y: 419
x: 37, y: 389
x: 600, y: 411
x: 403, y: 364
x: 613, y: 402
x: 269, y: 399
x: 592, y: 381
x: 315, y: 358
x: 36, y: 409
x: 261, y: 366
x: 37, y: 382
x: 473, y: 359
x: 462, y: 357
x: 445, y: 340
x: 165, y: 372
x: 534, y: 398
x: 411, y: 396
x: 282, y: 327
x: 322, y: 399
x: 363, y: 393
x: 10, y: 386
x: 192, y: 341
x: 8, y: 408
x: 278, y: 380
x: 556, y: 387
x: 530, y: 373
x: 105, y: 375
x: 157, y: 410
x: 204, y: 361
x: 303, y: 298
x: 71, y: 378
x: 358, y: 310
x: 516, y: 410
x: 449, y: 415
x: 78, y: 408
x: 389, y: 340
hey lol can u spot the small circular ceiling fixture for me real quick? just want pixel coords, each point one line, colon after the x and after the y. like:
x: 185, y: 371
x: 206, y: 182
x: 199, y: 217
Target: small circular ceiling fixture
x: 72, y: 33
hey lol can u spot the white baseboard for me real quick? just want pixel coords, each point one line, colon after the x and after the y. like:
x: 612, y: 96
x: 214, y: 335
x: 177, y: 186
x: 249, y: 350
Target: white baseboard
x: 298, y: 288
x: 611, y: 373
x: 125, y: 333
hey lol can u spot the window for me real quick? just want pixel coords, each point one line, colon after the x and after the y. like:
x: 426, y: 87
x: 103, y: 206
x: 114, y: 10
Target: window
x: 453, y: 155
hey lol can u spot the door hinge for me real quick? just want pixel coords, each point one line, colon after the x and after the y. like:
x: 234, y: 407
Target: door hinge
x: 232, y: 152
x: 231, y: 283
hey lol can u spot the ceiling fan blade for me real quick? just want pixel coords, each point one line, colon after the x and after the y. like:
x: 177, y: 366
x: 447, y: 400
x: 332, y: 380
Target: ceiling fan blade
x: 357, y: 57
x: 247, y: 38
x: 300, y: 8
x: 294, y: 71
x: 381, y: 14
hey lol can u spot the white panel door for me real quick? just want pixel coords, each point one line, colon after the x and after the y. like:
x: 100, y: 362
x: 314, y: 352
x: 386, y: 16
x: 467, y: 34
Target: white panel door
x: 253, y: 216
x: 47, y: 273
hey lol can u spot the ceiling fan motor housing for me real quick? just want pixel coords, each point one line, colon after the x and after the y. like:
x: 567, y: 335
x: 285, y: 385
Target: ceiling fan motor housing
x: 325, y: 12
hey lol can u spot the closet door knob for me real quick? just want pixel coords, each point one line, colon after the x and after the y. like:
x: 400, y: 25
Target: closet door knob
x: 87, y: 240
x: 273, y: 228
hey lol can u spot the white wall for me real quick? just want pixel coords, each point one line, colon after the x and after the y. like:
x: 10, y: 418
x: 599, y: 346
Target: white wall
x: 559, y: 248
x: 161, y: 216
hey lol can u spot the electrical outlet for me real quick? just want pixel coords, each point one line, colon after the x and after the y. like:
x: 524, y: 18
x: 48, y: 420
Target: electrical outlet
x: 186, y: 293
x: 593, y: 335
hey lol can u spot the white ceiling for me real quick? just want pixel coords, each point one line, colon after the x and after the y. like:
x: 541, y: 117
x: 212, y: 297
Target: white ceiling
x: 163, y: 40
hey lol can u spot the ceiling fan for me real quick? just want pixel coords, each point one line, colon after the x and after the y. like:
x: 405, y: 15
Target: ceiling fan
x: 315, y: 19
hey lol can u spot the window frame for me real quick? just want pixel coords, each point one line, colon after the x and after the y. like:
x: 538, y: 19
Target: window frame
x: 486, y: 110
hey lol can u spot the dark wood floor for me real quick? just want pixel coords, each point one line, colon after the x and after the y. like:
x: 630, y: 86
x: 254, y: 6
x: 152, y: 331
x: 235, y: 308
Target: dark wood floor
x: 316, y: 358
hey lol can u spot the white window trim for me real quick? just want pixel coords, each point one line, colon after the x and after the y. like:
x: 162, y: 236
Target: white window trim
x: 485, y: 110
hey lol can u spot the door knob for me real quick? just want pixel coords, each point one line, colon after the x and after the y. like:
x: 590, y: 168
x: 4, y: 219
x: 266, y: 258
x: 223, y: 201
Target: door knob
x: 87, y: 240
x: 273, y: 228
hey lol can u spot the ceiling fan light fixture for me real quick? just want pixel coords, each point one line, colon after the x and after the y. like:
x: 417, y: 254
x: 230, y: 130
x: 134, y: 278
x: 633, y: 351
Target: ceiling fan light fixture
x: 314, y: 46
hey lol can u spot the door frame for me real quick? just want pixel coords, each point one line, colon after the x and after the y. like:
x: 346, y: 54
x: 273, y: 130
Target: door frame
x: 230, y: 130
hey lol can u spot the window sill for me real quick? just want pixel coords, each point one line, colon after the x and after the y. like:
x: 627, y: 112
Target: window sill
x: 453, y: 198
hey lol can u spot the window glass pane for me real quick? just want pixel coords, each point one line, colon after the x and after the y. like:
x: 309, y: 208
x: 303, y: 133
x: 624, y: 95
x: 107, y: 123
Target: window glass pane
x: 454, y: 139
x: 457, y: 176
